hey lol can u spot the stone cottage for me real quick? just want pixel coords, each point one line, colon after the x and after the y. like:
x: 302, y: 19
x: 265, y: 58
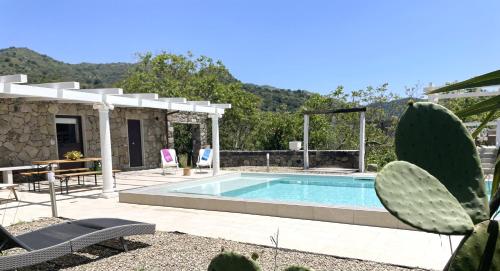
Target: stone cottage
x: 42, y: 130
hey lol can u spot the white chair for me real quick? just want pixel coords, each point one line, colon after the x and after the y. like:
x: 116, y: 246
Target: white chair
x: 204, y: 161
x: 173, y: 159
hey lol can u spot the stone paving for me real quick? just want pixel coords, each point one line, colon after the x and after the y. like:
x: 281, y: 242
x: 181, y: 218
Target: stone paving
x: 399, y: 247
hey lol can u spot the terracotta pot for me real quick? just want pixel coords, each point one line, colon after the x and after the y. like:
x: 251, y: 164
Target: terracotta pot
x: 187, y: 172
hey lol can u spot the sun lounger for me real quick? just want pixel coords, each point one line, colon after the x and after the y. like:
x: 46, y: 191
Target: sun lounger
x: 168, y: 159
x: 204, y: 159
x: 65, y: 238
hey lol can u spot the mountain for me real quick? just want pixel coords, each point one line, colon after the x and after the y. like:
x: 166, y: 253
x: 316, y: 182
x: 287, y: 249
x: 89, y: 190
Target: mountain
x: 394, y: 108
x: 274, y: 98
x: 42, y: 69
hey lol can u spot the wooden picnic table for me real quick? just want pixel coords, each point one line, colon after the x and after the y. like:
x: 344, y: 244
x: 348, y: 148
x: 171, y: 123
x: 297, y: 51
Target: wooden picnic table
x: 52, y: 163
x: 63, y: 161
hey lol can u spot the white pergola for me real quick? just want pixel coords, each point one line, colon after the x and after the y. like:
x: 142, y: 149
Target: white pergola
x: 362, y: 120
x: 105, y: 99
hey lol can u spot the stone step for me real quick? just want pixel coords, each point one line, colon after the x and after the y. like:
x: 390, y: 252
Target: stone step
x: 486, y: 148
x: 487, y: 165
x: 489, y: 155
x: 488, y: 172
x: 488, y: 160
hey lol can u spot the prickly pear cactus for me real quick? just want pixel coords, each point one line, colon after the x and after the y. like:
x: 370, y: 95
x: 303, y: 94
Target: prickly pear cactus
x: 433, y: 138
x: 230, y: 261
x: 479, y: 250
x: 420, y: 200
x: 297, y: 268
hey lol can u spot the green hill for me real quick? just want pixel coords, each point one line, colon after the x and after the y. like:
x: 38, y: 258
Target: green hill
x: 394, y: 108
x: 42, y: 69
x: 274, y: 98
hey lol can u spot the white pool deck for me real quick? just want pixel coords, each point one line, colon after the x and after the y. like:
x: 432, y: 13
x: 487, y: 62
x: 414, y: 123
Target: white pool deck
x: 399, y: 247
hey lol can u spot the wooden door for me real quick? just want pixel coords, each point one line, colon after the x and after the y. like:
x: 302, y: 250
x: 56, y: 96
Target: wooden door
x: 135, y: 143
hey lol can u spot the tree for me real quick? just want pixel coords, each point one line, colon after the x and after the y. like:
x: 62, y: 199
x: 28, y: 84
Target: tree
x: 341, y: 131
x: 201, y: 78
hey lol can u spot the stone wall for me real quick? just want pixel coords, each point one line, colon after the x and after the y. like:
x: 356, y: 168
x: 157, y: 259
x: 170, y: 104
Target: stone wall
x: 28, y: 131
x: 286, y: 158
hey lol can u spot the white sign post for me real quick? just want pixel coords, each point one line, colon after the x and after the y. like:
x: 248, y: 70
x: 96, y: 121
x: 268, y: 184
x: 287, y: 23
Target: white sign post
x: 53, y: 202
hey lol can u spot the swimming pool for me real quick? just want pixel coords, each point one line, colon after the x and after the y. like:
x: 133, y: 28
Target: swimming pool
x: 328, y: 190
x: 342, y: 199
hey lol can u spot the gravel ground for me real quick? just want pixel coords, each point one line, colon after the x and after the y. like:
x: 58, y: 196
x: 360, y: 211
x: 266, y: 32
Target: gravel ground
x: 178, y: 251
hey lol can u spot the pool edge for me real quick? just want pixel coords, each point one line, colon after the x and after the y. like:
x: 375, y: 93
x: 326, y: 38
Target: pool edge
x: 353, y: 216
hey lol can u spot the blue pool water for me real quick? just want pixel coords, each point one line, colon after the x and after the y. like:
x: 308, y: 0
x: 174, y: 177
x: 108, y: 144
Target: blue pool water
x: 330, y: 191
x: 324, y: 190
x: 340, y: 191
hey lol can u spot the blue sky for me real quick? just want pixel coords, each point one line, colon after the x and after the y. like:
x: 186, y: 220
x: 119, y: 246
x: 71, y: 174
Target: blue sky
x: 313, y: 45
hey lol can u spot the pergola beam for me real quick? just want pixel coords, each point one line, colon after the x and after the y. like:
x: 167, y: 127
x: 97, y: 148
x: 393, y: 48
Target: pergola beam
x: 174, y: 100
x: 105, y: 91
x: 222, y: 106
x: 150, y: 96
x: 59, y: 85
x: 205, y: 103
x: 335, y: 111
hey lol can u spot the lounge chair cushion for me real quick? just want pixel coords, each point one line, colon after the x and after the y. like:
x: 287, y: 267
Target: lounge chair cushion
x: 166, y: 155
x: 54, y: 235
x: 102, y: 223
x: 206, y: 154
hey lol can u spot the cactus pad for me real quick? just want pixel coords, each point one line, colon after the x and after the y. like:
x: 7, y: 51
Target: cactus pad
x: 420, y: 200
x: 480, y: 250
x: 433, y: 138
x: 230, y: 261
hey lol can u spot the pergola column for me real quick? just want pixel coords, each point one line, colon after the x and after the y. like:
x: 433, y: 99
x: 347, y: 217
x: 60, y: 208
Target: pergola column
x: 306, y: 141
x: 107, y: 158
x: 215, y: 144
x: 362, y: 142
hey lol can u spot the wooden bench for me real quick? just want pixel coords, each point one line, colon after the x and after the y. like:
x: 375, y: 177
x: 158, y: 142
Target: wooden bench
x: 65, y: 177
x: 35, y: 177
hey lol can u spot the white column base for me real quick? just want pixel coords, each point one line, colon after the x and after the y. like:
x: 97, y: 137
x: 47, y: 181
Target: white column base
x: 7, y: 177
x: 108, y: 195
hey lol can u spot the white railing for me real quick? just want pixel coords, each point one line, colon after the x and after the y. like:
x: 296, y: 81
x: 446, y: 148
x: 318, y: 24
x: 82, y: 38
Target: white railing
x: 478, y: 92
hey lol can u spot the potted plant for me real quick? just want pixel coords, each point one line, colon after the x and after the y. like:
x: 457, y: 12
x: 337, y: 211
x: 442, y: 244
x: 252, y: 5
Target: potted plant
x: 183, y: 161
x: 73, y: 155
